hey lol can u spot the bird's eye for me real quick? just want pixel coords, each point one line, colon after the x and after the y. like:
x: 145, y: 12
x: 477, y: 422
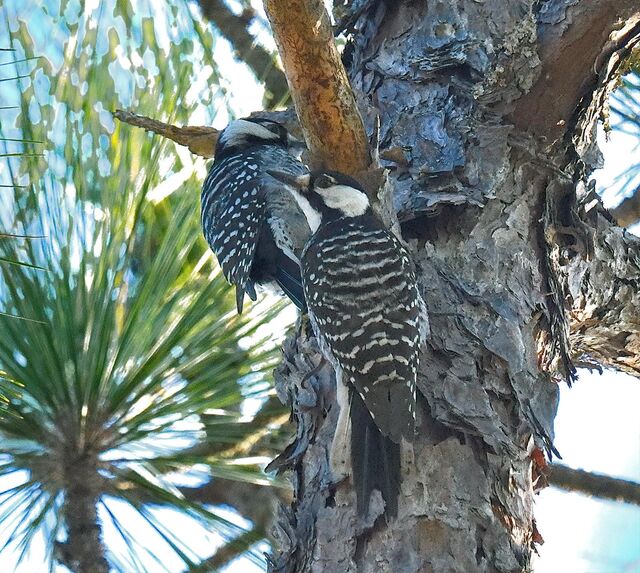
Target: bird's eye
x: 269, y: 125
x: 273, y: 127
x: 325, y: 181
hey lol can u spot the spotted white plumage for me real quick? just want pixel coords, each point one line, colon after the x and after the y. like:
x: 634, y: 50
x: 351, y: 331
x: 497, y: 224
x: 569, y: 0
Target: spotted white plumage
x: 250, y: 221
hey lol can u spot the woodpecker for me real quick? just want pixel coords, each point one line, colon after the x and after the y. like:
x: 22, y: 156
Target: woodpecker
x: 366, y: 310
x: 252, y: 224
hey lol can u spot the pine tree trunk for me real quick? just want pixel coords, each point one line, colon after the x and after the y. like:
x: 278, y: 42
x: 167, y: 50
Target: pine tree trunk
x: 485, y: 181
x: 83, y: 551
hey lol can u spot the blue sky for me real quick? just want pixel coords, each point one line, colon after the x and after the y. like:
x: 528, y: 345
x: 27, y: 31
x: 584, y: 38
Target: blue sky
x: 597, y: 430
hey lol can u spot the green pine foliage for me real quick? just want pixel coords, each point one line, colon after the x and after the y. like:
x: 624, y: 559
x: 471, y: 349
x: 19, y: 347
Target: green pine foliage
x: 127, y: 350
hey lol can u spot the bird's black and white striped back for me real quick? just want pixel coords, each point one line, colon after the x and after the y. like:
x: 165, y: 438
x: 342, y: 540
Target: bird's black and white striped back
x: 365, y: 308
x: 363, y: 300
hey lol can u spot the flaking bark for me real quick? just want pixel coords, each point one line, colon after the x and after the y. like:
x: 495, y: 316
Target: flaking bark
x: 600, y: 273
x: 488, y: 208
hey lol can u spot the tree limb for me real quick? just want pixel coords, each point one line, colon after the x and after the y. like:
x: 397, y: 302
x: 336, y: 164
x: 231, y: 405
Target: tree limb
x: 252, y: 501
x: 593, y: 484
x: 628, y: 212
x: 255, y: 502
x: 200, y: 140
x: 235, y: 29
x: 576, y: 41
x: 320, y: 89
x: 229, y: 551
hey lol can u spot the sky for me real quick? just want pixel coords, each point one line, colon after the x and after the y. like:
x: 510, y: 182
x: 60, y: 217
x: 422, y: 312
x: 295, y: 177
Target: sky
x: 597, y: 430
x: 597, y: 425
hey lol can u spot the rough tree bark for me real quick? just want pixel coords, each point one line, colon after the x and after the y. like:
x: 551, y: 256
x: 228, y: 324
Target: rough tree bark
x: 84, y: 550
x: 488, y: 111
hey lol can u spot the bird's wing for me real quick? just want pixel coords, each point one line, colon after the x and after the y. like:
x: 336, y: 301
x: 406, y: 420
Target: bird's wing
x: 235, y: 236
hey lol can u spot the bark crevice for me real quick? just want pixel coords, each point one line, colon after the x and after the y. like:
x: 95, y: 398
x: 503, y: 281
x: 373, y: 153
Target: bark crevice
x: 492, y: 218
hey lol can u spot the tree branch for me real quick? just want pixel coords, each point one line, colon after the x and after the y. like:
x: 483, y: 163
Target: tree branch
x: 320, y: 89
x: 255, y: 502
x: 252, y: 501
x: 235, y: 29
x: 576, y: 43
x: 592, y: 484
x: 200, y: 140
x: 229, y: 551
x: 628, y: 212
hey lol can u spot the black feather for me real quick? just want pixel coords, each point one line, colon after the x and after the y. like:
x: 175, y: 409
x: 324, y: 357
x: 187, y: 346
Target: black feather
x: 239, y: 299
x: 271, y: 263
x: 249, y: 289
x: 288, y: 277
x: 375, y: 460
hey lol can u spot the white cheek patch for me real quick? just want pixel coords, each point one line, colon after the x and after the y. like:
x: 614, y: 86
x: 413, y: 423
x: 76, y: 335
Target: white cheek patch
x: 350, y: 201
x: 237, y: 131
x: 313, y: 217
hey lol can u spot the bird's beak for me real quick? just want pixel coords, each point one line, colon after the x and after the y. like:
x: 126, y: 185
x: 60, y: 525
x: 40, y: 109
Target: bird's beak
x: 301, y: 182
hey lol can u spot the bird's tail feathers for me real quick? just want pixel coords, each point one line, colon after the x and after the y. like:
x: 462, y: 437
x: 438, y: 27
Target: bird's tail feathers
x: 248, y: 288
x: 289, y: 280
x: 375, y: 460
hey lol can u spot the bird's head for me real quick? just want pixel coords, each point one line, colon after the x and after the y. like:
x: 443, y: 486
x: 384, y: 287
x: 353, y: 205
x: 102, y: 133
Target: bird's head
x: 248, y: 131
x: 325, y: 195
